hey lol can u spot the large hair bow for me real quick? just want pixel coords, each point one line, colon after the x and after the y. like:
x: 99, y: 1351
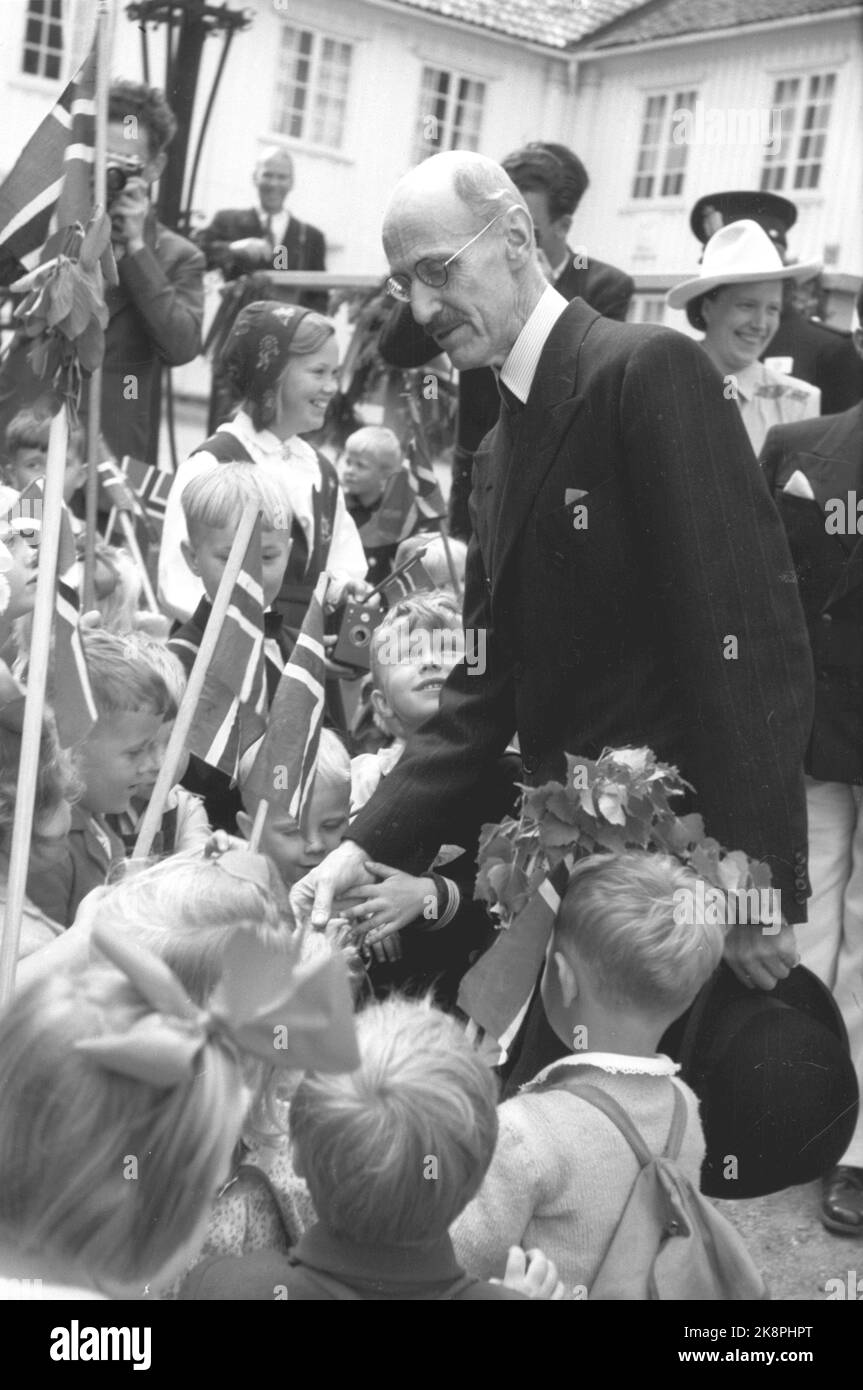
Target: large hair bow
x: 293, y: 1016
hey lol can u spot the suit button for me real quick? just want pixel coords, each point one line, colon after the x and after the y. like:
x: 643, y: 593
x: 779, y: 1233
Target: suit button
x: 801, y: 882
x: 826, y: 617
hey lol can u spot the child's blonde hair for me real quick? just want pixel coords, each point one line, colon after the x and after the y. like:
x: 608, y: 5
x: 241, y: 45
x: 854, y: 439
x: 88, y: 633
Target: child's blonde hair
x: 163, y: 662
x: 379, y: 444
x: 185, y: 909
x: 120, y: 595
x: 113, y: 1174
x: 121, y: 680
x: 216, y: 499
x: 333, y: 765
x: 393, y: 1151
x: 57, y: 778
x: 437, y: 565
x: 619, y: 916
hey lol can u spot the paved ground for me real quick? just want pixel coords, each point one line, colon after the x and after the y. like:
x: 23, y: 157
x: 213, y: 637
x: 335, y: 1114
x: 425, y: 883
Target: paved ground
x: 789, y: 1244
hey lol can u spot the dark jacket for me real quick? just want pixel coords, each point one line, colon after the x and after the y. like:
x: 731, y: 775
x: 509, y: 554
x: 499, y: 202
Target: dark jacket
x: 60, y: 889
x: 305, y: 246
x: 618, y: 632
x: 156, y: 313
x: 829, y: 453
x: 324, y: 1267
x: 821, y: 355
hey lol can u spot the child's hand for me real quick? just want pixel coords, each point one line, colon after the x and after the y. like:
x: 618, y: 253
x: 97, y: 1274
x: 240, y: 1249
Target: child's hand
x: 532, y: 1274
x: 220, y: 842
x: 383, y: 908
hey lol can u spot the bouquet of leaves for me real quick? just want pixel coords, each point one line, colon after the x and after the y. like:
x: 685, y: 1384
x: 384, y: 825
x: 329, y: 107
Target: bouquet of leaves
x: 619, y: 802
x: 64, y: 311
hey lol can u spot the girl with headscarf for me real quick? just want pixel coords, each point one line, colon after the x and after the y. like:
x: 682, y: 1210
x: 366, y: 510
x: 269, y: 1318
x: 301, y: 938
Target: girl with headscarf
x: 284, y: 361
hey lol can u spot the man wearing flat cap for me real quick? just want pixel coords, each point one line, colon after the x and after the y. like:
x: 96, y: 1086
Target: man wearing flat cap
x: 801, y: 347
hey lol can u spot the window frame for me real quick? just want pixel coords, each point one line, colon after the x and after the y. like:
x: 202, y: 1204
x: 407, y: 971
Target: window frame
x: 456, y: 99
x: 667, y: 164
x: 779, y: 172
x: 311, y: 113
x: 41, y: 47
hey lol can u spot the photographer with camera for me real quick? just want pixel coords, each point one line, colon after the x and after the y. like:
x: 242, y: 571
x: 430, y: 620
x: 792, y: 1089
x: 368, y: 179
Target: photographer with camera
x: 157, y: 309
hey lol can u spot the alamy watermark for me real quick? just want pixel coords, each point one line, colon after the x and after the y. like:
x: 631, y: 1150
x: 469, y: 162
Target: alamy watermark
x: 726, y: 125
x: 442, y: 647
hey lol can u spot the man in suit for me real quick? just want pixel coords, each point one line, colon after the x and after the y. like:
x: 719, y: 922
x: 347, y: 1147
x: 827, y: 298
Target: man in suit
x: 814, y: 469
x: 240, y: 242
x: 801, y: 347
x: 660, y: 614
x: 552, y: 180
x: 157, y: 309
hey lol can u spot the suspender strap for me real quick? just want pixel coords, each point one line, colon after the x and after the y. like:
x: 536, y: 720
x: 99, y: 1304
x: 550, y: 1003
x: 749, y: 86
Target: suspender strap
x: 618, y: 1116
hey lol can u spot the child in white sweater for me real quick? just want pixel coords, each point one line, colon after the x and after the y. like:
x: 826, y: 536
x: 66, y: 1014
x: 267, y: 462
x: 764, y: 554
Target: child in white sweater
x: 624, y: 962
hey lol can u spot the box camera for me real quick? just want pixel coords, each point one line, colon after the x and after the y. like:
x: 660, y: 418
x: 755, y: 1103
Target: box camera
x: 355, y: 635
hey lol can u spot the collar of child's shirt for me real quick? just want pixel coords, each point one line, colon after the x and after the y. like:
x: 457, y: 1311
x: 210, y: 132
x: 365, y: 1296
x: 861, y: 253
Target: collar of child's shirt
x: 385, y: 1267
x: 617, y: 1063
x: 266, y: 443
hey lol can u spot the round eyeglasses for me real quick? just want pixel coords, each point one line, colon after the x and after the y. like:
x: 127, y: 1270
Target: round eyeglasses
x: 430, y: 272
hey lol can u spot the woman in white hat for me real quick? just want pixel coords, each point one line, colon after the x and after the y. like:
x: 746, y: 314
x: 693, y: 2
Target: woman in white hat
x: 736, y: 300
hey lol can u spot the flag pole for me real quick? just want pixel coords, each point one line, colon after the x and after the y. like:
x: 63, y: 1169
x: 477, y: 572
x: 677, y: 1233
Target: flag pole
x: 31, y: 737
x: 188, y: 705
x: 258, y: 825
x: 94, y: 415
x: 128, y: 528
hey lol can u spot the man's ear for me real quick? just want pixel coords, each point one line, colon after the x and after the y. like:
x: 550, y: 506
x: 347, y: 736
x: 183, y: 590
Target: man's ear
x: 519, y: 233
x: 190, y: 557
x: 156, y: 166
x: 244, y: 824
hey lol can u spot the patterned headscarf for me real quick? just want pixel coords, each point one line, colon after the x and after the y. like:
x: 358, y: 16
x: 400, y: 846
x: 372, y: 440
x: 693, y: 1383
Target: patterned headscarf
x: 257, y: 352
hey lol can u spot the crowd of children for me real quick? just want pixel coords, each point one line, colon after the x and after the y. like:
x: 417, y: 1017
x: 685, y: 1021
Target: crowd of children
x: 368, y: 1158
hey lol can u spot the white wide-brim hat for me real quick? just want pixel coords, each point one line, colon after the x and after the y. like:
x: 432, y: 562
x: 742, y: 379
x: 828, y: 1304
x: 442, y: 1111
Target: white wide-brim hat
x: 739, y: 253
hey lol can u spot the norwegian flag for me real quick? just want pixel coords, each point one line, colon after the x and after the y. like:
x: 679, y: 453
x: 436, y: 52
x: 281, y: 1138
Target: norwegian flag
x: 117, y: 489
x: 75, y: 710
x: 49, y: 187
x: 412, y: 578
x: 232, y: 710
x: 284, y: 768
x: 151, y: 487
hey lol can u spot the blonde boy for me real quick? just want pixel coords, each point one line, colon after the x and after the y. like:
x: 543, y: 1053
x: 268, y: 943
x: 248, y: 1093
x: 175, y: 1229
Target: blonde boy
x: 117, y: 756
x: 621, y: 970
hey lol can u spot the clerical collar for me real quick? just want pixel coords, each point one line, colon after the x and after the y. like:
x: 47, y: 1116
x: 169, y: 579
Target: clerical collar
x: 519, y: 369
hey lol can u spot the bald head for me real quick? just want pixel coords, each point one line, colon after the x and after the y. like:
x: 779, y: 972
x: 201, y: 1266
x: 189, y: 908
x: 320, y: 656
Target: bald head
x: 478, y: 183
x: 274, y: 179
x: 458, y: 218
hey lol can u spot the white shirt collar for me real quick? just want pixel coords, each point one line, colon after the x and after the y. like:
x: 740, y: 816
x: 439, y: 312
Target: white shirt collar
x: 519, y: 369
x: 266, y: 442
x: 617, y: 1063
x: 557, y: 270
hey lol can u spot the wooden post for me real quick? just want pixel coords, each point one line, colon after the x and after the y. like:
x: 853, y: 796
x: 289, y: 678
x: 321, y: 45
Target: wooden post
x: 258, y: 825
x: 444, y: 535
x: 127, y: 526
x: 37, y: 674
x: 94, y: 415
x: 185, y: 714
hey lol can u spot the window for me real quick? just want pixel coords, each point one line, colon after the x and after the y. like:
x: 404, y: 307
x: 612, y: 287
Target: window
x: 450, y: 113
x: 312, y: 87
x: 43, y: 39
x: 647, y: 308
x: 803, y: 104
x: 662, y: 150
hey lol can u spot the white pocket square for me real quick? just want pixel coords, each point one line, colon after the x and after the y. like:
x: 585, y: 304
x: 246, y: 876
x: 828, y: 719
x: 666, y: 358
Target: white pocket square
x: 798, y: 485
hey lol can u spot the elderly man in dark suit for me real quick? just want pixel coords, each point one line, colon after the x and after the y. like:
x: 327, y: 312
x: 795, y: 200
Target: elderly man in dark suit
x: 157, y: 309
x: 242, y: 242
x: 552, y: 181
x: 627, y: 567
x: 814, y: 469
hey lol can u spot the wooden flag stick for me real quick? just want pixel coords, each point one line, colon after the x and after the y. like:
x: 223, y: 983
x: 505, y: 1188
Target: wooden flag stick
x: 186, y: 713
x: 94, y: 415
x: 258, y: 825
x: 444, y: 535
x: 128, y: 528
x: 40, y: 643
x: 112, y: 522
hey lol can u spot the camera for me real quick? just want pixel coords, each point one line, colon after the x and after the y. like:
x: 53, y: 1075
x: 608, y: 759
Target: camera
x: 118, y: 173
x: 355, y: 635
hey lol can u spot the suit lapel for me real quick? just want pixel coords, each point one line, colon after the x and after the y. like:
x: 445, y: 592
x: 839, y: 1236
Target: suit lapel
x: 543, y: 425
